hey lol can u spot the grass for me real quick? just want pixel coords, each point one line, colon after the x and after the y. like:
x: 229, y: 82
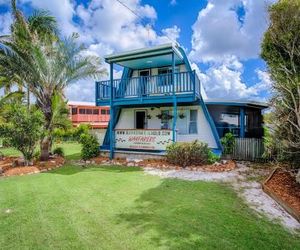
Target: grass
x: 71, y: 150
x: 122, y: 208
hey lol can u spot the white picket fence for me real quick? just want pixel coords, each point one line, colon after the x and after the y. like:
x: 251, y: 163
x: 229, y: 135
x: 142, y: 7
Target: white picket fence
x: 249, y: 149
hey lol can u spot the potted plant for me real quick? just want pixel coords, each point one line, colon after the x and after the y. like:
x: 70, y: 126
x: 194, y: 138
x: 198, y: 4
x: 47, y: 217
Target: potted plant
x: 164, y: 116
x: 181, y: 116
x: 228, y: 143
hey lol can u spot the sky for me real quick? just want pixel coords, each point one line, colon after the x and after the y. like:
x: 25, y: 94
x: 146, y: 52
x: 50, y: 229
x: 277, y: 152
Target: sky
x: 221, y: 37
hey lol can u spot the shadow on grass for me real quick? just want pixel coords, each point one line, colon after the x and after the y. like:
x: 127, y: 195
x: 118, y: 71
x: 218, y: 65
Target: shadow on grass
x: 198, y: 215
x: 72, y: 169
x: 76, y: 156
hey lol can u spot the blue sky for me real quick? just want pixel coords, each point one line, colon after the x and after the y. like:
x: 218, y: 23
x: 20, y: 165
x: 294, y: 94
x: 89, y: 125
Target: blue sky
x: 222, y: 38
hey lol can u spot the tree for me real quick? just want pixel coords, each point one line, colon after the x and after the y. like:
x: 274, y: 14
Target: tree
x: 281, y: 51
x: 23, y: 129
x: 46, y: 63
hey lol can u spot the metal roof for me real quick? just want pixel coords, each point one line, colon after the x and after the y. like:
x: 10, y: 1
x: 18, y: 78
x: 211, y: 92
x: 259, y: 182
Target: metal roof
x: 238, y: 102
x: 147, y: 57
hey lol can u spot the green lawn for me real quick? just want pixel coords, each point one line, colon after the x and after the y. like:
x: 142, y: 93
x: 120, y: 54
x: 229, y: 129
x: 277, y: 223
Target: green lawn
x: 71, y: 149
x: 122, y: 208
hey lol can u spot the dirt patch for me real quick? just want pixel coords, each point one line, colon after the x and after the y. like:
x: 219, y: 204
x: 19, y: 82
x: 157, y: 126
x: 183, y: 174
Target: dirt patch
x: 10, y: 166
x: 284, y: 186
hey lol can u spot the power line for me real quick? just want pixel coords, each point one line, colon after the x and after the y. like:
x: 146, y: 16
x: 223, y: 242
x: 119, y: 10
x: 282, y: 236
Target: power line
x: 146, y: 24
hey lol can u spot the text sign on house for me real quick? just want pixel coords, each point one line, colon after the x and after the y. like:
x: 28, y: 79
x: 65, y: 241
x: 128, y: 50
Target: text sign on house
x: 143, y: 139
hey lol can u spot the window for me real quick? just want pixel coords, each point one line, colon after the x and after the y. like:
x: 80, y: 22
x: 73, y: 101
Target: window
x: 193, y: 122
x: 96, y: 111
x: 230, y: 119
x: 165, y: 122
x: 165, y: 76
x: 74, y: 111
x: 89, y: 111
x: 103, y: 111
x: 82, y: 111
x: 107, y: 111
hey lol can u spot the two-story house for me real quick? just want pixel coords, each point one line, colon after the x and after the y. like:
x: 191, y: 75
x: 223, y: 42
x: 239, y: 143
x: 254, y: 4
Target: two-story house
x: 158, y: 101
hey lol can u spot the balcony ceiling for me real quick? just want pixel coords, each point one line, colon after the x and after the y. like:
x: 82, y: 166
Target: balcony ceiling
x: 158, y: 56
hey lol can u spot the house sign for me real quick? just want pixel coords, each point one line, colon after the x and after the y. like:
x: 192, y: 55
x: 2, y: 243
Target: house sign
x: 145, y: 139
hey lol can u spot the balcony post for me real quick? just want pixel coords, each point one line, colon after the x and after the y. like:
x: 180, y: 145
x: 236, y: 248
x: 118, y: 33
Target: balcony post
x: 111, y: 123
x: 242, y: 122
x: 174, y: 98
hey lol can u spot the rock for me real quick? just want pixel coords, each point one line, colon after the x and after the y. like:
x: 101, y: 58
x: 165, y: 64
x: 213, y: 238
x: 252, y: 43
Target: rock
x: 93, y: 162
x: 130, y: 164
x: 44, y: 170
x: 8, y: 211
x: 88, y: 162
x: 217, y: 164
x: 298, y: 177
x: 1, y: 171
x: 224, y: 162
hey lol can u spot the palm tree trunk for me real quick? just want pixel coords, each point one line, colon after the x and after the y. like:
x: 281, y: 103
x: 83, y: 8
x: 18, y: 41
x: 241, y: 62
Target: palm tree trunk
x: 45, y: 148
x: 47, y: 140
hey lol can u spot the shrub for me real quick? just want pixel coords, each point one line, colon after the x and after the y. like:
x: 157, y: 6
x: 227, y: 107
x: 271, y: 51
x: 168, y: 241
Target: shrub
x: 59, y: 151
x: 228, y: 143
x: 23, y: 129
x: 212, y: 158
x: 188, y: 153
x: 90, y: 146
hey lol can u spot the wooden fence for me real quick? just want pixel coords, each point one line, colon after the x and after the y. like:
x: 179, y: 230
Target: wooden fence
x: 249, y: 149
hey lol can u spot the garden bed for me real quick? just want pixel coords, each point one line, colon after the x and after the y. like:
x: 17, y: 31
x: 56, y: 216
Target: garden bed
x: 283, y: 188
x: 222, y: 166
x: 10, y: 166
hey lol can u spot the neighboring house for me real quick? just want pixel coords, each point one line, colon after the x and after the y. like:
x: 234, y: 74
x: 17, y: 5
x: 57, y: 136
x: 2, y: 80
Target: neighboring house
x: 88, y: 113
x: 158, y: 101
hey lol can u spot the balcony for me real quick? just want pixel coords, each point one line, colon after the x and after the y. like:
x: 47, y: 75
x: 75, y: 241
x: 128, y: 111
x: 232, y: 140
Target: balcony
x: 150, y: 89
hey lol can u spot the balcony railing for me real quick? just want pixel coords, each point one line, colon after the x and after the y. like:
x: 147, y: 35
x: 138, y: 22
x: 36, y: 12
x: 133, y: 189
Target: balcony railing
x: 150, y: 86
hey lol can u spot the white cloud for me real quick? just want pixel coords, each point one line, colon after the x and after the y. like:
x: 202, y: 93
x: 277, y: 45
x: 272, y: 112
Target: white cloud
x: 5, y: 22
x: 219, y: 31
x: 224, y: 80
x: 222, y: 39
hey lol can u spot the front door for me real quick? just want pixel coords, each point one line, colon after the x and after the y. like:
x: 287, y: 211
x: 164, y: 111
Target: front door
x: 144, y: 79
x: 140, y: 119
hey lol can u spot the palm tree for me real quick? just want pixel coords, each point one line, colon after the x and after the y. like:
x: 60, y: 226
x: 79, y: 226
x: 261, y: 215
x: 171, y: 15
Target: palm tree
x: 45, y: 63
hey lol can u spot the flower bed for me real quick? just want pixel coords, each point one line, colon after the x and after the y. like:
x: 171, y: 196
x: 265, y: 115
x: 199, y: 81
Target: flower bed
x: 10, y: 166
x: 283, y: 188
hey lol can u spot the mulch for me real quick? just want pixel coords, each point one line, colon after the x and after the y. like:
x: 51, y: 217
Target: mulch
x: 283, y: 184
x: 11, y: 166
x: 163, y: 164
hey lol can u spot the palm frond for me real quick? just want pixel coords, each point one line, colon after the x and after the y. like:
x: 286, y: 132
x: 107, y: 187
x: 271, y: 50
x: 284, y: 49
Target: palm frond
x: 43, y: 24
